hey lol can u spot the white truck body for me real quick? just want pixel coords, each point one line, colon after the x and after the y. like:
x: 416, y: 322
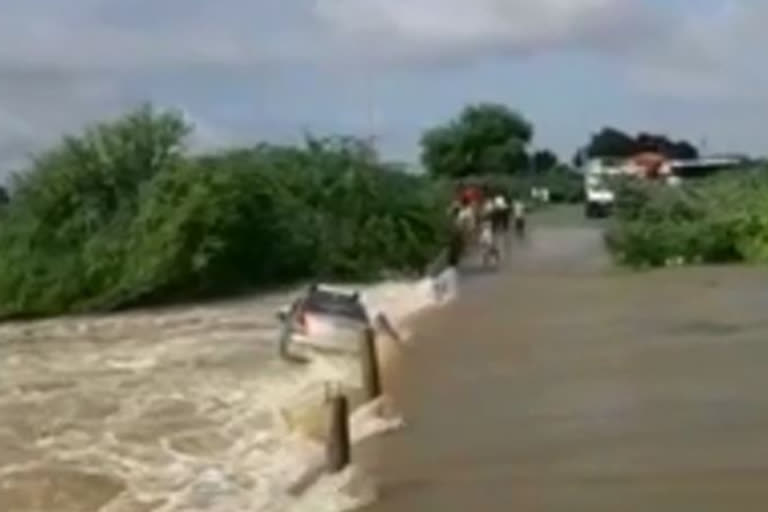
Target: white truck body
x: 597, y: 192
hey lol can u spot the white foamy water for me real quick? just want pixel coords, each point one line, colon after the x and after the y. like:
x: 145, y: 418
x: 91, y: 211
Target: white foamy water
x: 178, y: 410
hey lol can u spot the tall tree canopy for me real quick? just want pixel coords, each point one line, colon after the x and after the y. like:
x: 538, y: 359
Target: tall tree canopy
x: 610, y: 142
x: 681, y: 149
x: 487, y: 138
x: 544, y: 160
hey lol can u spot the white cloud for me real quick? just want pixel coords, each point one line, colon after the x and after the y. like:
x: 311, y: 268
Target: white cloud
x: 86, y: 38
x: 66, y: 63
x: 434, y: 29
x: 714, y: 55
x: 101, y: 36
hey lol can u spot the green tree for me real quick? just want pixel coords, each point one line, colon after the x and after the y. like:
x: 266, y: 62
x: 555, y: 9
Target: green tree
x: 610, y: 142
x: 544, y: 160
x: 613, y: 143
x: 486, y: 138
x: 121, y: 216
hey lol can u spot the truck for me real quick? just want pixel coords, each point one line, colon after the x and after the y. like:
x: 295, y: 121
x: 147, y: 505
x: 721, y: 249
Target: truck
x: 600, y: 174
x: 599, y: 197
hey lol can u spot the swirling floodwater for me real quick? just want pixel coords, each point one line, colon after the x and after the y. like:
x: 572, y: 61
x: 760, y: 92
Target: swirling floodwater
x: 176, y: 410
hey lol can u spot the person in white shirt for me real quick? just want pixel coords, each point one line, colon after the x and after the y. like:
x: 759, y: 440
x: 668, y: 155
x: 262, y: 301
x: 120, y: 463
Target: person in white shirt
x: 501, y: 214
x: 465, y: 219
x: 518, y: 211
x: 490, y: 251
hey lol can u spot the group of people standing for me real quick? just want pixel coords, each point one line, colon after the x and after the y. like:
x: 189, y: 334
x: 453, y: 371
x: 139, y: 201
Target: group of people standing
x: 483, y: 221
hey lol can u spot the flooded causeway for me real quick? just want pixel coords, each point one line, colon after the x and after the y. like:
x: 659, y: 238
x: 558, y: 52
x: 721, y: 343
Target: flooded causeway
x: 564, y: 384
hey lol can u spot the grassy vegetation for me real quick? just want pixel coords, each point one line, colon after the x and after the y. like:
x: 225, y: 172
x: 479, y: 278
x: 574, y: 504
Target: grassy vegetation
x: 124, y: 215
x: 715, y: 220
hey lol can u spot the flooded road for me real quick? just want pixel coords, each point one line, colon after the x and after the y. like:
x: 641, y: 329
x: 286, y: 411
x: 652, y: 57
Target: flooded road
x: 563, y: 384
x: 108, y: 412
x: 179, y: 410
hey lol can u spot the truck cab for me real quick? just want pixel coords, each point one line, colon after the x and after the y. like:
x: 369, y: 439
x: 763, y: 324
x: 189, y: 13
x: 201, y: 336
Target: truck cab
x: 599, y: 197
x: 599, y: 201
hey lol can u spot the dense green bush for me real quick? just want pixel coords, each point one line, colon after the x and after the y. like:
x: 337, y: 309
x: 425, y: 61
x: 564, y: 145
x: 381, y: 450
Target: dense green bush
x: 122, y: 215
x: 565, y: 185
x: 714, y: 220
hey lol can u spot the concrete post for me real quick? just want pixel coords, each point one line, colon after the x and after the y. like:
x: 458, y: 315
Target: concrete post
x: 370, y: 365
x: 338, y: 447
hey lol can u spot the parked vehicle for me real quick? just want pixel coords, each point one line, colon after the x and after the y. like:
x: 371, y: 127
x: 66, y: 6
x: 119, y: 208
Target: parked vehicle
x: 599, y: 197
x: 600, y: 172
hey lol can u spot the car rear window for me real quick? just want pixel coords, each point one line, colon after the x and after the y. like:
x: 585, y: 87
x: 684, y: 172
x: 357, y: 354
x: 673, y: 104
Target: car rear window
x: 337, y: 304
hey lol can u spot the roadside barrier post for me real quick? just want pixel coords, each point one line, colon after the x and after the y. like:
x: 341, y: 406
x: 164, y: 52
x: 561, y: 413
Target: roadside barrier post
x: 338, y: 446
x: 285, y: 337
x: 370, y: 365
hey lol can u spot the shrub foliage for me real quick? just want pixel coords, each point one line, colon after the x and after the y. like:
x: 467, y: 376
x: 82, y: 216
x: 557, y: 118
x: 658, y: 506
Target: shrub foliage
x: 714, y: 220
x: 123, y: 215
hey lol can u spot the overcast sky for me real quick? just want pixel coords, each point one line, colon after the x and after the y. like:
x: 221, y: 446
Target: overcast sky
x: 246, y: 70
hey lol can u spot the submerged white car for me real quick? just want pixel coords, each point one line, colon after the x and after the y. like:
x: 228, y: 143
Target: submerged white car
x: 326, y: 318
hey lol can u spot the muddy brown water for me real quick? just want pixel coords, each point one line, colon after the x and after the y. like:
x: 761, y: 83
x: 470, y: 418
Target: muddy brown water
x: 185, y: 409
x: 558, y: 384
x: 564, y: 384
x: 140, y: 412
